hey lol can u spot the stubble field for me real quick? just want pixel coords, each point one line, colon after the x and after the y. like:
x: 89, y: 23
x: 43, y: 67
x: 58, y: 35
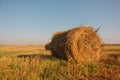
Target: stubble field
x: 36, y: 63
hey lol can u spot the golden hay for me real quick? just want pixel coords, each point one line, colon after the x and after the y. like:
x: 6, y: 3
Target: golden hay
x: 48, y: 46
x: 81, y: 44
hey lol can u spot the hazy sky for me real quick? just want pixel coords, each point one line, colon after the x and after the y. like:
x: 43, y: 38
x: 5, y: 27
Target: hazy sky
x: 34, y: 21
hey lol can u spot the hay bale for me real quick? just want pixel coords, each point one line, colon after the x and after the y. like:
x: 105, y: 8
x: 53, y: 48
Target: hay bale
x: 48, y: 46
x: 81, y: 44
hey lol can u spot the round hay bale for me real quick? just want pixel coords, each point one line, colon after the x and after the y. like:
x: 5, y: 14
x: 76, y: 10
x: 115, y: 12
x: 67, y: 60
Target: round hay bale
x: 48, y: 46
x: 81, y: 44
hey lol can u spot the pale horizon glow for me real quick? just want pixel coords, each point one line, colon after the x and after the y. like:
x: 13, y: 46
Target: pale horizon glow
x: 33, y: 22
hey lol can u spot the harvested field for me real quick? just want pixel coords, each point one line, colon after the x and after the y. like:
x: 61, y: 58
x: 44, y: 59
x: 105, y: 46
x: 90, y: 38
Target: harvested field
x: 36, y: 63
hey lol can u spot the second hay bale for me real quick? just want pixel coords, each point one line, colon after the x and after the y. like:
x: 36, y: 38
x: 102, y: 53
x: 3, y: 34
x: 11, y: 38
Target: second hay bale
x: 48, y: 46
x: 81, y: 44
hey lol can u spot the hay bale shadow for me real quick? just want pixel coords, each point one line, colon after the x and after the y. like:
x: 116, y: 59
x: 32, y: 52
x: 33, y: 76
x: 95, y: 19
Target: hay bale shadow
x: 35, y: 56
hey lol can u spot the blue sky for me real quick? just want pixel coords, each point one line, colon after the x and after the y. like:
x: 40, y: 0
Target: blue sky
x: 35, y: 21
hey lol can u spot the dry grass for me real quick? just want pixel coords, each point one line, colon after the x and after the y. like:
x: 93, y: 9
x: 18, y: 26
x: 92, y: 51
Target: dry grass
x: 19, y: 48
x: 9, y: 51
x: 111, y: 47
x: 40, y: 65
x: 81, y: 44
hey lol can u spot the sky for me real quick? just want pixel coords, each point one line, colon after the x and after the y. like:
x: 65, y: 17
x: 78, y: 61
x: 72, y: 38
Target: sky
x: 35, y: 21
